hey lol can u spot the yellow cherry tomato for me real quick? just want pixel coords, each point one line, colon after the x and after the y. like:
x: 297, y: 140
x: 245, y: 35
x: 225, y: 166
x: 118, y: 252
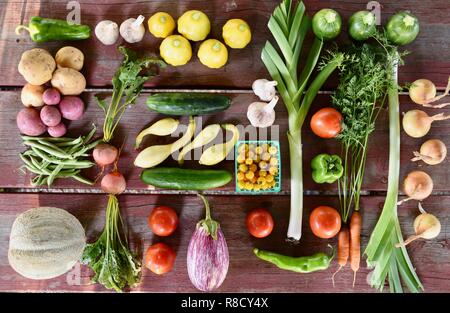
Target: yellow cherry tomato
x: 175, y: 50
x: 213, y: 53
x: 248, y: 186
x: 161, y: 24
x: 194, y: 25
x: 249, y: 175
x: 243, y: 168
x: 241, y: 158
x: 236, y: 33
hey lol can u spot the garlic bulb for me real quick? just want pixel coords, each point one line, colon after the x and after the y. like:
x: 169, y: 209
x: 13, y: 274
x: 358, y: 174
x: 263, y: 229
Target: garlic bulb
x: 107, y: 32
x: 261, y: 114
x: 132, y: 30
x: 264, y: 89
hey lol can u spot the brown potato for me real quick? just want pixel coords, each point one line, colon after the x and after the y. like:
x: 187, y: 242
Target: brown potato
x: 31, y: 95
x: 70, y: 57
x: 68, y: 81
x: 37, y: 66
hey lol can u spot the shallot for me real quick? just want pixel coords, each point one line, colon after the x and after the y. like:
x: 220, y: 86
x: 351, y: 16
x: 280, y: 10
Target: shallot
x: 432, y: 152
x: 426, y: 226
x: 417, y: 185
x: 417, y: 123
x: 423, y: 92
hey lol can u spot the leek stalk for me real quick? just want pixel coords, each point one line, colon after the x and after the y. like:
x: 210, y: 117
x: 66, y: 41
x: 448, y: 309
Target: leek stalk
x: 289, y: 26
x: 388, y: 261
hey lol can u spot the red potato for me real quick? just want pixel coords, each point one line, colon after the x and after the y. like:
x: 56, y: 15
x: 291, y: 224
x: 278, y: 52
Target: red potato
x: 29, y: 122
x: 51, y: 96
x: 50, y: 115
x: 72, y: 108
x: 58, y: 130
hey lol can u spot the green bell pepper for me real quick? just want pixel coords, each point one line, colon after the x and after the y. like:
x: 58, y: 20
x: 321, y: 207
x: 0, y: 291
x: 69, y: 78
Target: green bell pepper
x: 326, y: 168
x: 47, y: 29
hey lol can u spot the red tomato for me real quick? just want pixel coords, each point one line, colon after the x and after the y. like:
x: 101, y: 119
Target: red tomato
x: 163, y: 221
x: 160, y: 258
x: 326, y: 123
x: 325, y: 222
x: 259, y: 223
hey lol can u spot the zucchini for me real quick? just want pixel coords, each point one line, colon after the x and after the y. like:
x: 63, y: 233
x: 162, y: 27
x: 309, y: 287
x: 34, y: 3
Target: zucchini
x: 181, y: 103
x: 185, y: 179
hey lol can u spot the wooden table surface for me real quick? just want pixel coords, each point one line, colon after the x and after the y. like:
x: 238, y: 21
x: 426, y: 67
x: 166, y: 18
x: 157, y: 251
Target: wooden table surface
x: 430, y: 58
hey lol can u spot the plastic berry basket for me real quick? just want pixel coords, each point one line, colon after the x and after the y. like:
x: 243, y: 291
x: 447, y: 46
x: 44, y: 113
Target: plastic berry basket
x: 277, y: 177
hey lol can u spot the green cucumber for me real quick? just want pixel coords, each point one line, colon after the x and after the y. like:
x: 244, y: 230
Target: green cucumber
x: 181, y: 103
x: 185, y: 179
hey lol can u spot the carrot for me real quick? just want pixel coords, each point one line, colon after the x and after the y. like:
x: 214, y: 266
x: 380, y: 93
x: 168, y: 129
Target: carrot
x: 355, y: 242
x: 343, y: 249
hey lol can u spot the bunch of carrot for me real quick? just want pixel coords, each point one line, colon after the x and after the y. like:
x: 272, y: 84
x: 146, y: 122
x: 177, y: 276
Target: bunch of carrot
x: 349, y: 245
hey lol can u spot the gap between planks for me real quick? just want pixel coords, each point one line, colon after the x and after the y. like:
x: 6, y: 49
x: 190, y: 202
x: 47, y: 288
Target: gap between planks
x: 183, y: 90
x: 320, y: 193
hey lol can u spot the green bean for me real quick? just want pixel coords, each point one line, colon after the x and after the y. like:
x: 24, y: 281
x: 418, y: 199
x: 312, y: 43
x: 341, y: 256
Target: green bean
x: 33, y: 170
x: 52, y: 176
x: 89, y: 136
x: 70, y: 143
x: 83, y: 180
x: 35, y: 181
x: 28, y: 152
x: 83, y: 163
x: 51, y: 145
x: 35, y: 162
x: 29, y: 165
x: 54, y: 139
x: 47, y: 150
x: 74, y: 149
x: 71, y: 166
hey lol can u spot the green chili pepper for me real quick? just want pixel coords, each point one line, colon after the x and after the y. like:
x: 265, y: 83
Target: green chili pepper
x: 304, y: 264
x: 47, y: 29
x: 326, y: 168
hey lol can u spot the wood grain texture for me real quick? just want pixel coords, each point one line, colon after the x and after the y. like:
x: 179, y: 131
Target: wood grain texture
x: 138, y: 117
x: 430, y: 58
x: 246, y: 273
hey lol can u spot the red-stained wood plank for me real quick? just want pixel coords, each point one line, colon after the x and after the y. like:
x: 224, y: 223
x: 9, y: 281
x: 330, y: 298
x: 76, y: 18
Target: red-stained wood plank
x: 430, y: 58
x: 246, y: 273
x: 137, y: 117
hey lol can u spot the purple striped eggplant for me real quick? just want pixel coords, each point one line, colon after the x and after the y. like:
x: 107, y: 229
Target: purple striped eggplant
x: 207, y: 256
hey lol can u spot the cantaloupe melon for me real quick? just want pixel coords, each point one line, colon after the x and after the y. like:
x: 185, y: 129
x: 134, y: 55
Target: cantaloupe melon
x: 45, y: 243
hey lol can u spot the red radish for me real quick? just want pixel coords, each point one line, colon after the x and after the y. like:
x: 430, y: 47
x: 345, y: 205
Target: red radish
x: 105, y: 154
x: 72, y: 108
x: 113, y: 183
x: 58, y: 130
x: 50, y: 115
x: 29, y: 122
x: 51, y: 96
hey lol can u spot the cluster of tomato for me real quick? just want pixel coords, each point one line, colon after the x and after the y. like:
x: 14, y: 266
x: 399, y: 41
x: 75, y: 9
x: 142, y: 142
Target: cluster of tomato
x: 160, y: 257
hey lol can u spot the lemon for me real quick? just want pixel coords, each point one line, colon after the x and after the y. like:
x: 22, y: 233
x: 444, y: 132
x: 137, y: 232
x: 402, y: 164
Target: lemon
x: 175, y: 50
x: 161, y: 25
x: 194, y: 25
x: 236, y: 33
x: 213, y: 53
